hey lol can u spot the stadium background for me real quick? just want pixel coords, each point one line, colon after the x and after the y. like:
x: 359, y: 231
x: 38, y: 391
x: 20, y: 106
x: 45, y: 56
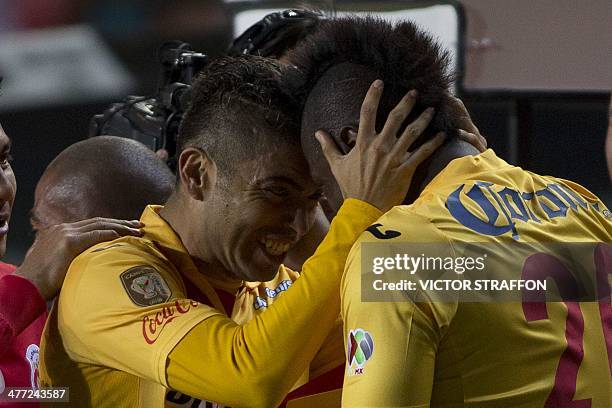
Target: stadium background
x: 559, y: 131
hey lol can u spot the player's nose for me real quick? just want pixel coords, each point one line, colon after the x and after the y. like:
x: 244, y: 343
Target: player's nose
x: 300, y: 222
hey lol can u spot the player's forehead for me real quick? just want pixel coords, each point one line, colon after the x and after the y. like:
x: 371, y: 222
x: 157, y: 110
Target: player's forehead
x: 335, y: 101
x: 285, y: 163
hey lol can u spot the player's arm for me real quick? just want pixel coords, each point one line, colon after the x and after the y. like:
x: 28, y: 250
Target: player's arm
x: 23, y: 294
x: 309, y: 242
x: 331, y: 353
x: 391, y: 345
x: 400, y: 371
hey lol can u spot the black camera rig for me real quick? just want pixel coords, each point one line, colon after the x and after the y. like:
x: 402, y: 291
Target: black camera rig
x: 154, y: 120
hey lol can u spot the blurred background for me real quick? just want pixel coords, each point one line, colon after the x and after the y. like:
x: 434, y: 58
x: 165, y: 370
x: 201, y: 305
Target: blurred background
x: 535, y: 74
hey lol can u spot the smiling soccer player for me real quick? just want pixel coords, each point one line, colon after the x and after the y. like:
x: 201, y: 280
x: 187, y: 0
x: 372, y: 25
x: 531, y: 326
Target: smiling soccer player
x: 143, y: 315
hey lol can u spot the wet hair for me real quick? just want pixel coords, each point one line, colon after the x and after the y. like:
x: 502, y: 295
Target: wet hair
x: 239, y: 111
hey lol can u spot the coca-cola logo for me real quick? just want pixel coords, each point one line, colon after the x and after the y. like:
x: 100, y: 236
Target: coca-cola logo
x: 154, y: 324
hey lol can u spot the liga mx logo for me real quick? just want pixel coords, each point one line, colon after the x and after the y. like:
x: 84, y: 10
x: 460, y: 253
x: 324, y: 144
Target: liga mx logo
x: 360, y: 349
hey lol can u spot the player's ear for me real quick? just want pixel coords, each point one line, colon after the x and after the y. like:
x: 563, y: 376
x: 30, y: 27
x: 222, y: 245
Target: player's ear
x: 198, y: 173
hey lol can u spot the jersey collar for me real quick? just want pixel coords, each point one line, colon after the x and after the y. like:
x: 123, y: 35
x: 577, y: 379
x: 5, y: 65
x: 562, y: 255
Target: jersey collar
x: 169, y: 243
x: 465, y: 168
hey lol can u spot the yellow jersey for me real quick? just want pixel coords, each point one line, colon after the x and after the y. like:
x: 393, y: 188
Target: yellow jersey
x: 483, y: 354
x: 123, y: 330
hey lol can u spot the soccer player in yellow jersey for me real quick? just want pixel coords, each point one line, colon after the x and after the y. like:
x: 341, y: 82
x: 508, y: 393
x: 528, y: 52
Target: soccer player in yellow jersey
x: 137, y: 317
x: 453, y: 354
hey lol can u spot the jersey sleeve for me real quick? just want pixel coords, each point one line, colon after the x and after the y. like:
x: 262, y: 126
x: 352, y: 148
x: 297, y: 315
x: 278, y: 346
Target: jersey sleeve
x: 256, y: 364
x: 20, y: 304
x: 391, y: 345
x: 122, y: 308
x: 331, y: 353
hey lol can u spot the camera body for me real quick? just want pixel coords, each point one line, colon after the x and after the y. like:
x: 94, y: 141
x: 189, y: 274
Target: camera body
x: 154, y: 120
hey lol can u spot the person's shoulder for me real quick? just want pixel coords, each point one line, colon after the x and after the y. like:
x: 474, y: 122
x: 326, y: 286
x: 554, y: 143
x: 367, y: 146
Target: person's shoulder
x: 126, y: 249
x: 124, y: 260
x: 403, y: 223
x: 6, y: 269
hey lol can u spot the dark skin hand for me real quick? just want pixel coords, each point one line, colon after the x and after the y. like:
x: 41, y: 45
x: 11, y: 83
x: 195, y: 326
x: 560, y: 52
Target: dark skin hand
x: 467, y: 131
x: 307, y: 245
x: 55, y: 247
x: 379, y: 168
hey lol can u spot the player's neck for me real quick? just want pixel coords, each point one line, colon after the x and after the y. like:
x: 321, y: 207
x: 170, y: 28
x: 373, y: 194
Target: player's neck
x: 436, y: 163
x: 176, y: 214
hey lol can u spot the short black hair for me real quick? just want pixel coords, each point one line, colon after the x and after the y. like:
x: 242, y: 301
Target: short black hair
x: 239, y: 110
x: 110, y: 176
x: 402, y: 55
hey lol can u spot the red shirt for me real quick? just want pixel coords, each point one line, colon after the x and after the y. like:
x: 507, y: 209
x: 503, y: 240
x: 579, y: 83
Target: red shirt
x: 22, y: 318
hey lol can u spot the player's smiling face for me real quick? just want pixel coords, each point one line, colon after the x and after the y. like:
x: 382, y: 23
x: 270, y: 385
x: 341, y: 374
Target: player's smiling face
x: 8, y: 188
x: 264, y: 210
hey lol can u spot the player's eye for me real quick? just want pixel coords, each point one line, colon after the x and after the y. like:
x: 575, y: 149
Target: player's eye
x: 316, y: 196
x: 5, y: 161
x: 277, y: 191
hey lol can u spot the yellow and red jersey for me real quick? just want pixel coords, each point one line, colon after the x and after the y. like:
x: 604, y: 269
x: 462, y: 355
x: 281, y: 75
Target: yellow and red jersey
x: 504, y: 354
x: 124, y: 329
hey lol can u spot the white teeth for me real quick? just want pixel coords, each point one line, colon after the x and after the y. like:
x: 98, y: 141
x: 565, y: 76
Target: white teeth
x: 275, y: 248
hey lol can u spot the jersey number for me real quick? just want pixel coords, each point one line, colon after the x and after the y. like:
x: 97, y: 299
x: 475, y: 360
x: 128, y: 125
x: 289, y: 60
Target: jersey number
x: 542, y: 266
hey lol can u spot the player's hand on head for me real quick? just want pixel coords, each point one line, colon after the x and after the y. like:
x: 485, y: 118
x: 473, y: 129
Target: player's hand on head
x: 467, y: 130
x: 54, y: 248
x: 379, y: 169
x: 475, y: 139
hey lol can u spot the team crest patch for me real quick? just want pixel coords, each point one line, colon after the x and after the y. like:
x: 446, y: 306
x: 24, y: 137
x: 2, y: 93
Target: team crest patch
x: 145, y: 286
x: 360, y: 350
